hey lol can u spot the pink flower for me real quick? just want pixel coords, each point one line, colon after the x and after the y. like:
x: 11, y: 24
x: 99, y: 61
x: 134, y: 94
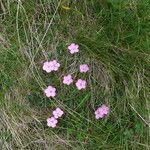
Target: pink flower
x: 101, y: 112
x: 68, y: 79
x: 50, y: 91
x: 73, y: 48
x: 47, y: 66
x: 50, y: 66
x: 56, y: 65
x: 84, y: 68
x: 52, y: 122
x: 81, y: 84
x: 58, y: 113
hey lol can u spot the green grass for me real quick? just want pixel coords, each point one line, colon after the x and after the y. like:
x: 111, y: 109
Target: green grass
x: 114, y: 40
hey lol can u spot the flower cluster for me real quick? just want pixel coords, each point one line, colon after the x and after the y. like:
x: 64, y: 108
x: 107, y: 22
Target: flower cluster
x: 53, y: 65
x: 50, y: 91
x: 52, y: 121
x: 101, y: 112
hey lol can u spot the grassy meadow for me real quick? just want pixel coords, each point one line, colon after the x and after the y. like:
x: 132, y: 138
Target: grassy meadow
x: 114, y: 40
